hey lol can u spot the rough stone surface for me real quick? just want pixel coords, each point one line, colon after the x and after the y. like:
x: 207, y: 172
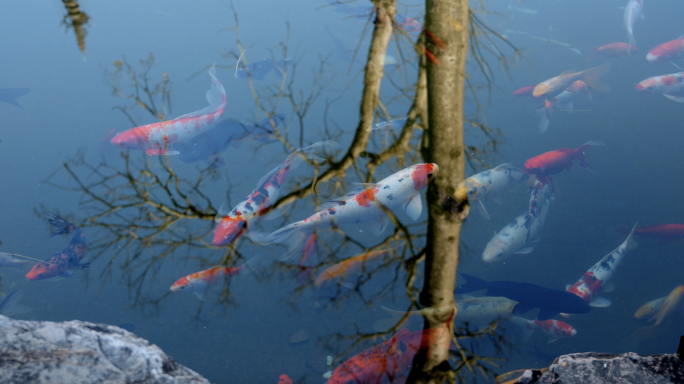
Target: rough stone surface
x: 77, y: 352
x: 602, y: 368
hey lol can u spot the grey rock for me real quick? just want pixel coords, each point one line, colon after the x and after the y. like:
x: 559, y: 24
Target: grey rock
x: 602, y: 368
x: 77, y: 352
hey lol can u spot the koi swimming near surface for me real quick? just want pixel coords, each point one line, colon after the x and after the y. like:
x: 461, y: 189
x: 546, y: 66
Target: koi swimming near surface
x: 62, y: 264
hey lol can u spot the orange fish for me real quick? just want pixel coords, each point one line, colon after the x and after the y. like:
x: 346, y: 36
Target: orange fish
x: 662, y: 317
x: 200, y: 282
x: 347, y: 272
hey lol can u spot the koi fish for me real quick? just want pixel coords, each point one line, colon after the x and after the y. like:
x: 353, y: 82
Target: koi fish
x: 524, y: 230
x: 473, y: 312
x: 233, y: 224
x: 62, y: 264
x: 612, y: 50
x: 347, y: 272
x: 555, y: 329
x: 490, y: 183
x: 667, y: 306
x: 366, y: 203
x: 529, y: 296
x: 553, y: 162
x: 306, y: 274
x: 667, y: 51
x: 209, y: 145
x: 284, y: 379
x: 632, y: 13
x: 564, y: 102
x: 525, y: 91
x: 259, y: 70
x: 665, y: 233
x: 200, y: 282
x: 556, y: 85
x: 9, y: 260
x: 391, y: 361
x: 156, y: 138
x: 670, y: 86
x: 10, y: 306
x: 9, y: 95
x: 597, y: 278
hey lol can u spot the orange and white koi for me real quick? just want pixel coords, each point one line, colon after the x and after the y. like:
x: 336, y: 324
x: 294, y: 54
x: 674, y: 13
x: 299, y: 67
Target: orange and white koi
x: 597, y: 278
x: 556, y: 85
x: 668, y: 306
x: 670, y: 86
x: 347, y: 272
x: 668, y: 51
x: 200, y: 282
x: 564, y: 102
x: 555, y: 329
x: 365, y: 204
x: 233, y: 224
x: 656, y: 310
x: 156, y: 138
x: 62, y: 264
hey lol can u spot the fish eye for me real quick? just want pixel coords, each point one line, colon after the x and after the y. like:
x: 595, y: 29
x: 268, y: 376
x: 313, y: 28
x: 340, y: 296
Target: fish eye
x: 429, y: 175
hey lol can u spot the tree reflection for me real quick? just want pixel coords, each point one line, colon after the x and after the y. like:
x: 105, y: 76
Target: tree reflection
x: 77, y: 20
x: 145, y: 213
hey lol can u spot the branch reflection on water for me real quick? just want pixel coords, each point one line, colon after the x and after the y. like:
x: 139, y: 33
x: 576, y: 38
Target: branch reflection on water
x: 146, y: 213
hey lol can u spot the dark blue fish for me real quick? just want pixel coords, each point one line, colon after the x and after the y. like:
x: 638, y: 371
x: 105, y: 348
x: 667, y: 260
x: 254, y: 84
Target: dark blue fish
x: 130, y: 327
x: 9, y: 95
x: 10, y: 306
x: 209, y: 145
x: 529, y: 296
x: 259, y: 70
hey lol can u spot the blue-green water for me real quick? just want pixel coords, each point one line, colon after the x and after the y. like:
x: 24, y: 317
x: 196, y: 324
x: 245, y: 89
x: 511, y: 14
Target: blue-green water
x: 243, y: 334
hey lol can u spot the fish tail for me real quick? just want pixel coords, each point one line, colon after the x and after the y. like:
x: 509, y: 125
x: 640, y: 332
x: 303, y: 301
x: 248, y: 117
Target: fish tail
x: 216, y: 95
x: 631, y: 243
x: 62, y: 226
x: 544, y: 114
x: 632, y: 43
x: 316, y: 151
x: 593, y: 54
x: 472, y: 284
x: 592, y: 77
x: 593, y: 143
x: 11, y: 306
x: 293, y: 236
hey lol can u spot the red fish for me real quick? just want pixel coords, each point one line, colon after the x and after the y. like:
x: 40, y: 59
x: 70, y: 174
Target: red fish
x: 553, y: 162
x: 667, y: 51
x: 284, y: 379
x: 525, y: 91
x: 612, y: 50
x: 665, y: 233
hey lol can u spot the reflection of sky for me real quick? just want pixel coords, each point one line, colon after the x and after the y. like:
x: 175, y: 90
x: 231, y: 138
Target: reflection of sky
x: 70, y: 107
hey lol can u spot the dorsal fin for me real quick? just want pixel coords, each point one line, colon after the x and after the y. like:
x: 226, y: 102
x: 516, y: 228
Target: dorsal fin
x: 353, y: 191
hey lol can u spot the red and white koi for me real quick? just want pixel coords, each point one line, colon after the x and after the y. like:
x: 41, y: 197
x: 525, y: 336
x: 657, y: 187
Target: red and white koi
x: 564, y: 102
x: 597, y: 278
x: 233, y: 224
x: 365, y: 204
x: 631, y: 15
x: 670, y: 86
x: 199, y: 282
x: 156, y: 138
x: 555, y: 329
x: 669, y: 51
x: 490, y: 183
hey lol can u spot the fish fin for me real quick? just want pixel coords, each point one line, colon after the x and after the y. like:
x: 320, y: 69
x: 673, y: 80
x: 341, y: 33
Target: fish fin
x: 535, y: 240
x: 219, y: 162
x: 8, y: 95
x: 62, y: 226
x: 503, y: 166
x: 273, y: 214
x: 543, y: 119
x: 545, y: 314
x: 67, y: 273
x: 472, y: 284
x: 216, y: 94
x: 566, y: 315
x: 377, y: 230
x: 527, y: 327
x: 414, y: 207
x: 566, y: 72
x: 552, y: 339
x: 632, y: 43
x: 589, y: 96
x: 592, y: 77
x: 593, y: 54
x: 600, y: 302
x: 568, y: 107
x: 293, y: 236
x: 610, y: 287
x: 483, y: 212
x: 521, y: 308
x: 223, y: 211
x: 595, y: 143
x: 497, y: 199
x: 631, y: 243
x: 201, y: 294
x: 236, y: 143
x: 679, y: 99
x: 567, y: 286
x: 11, y: 306
x: 525, y: 251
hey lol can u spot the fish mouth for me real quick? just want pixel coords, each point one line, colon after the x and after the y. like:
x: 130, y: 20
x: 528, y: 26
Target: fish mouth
x: 651, y: 57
